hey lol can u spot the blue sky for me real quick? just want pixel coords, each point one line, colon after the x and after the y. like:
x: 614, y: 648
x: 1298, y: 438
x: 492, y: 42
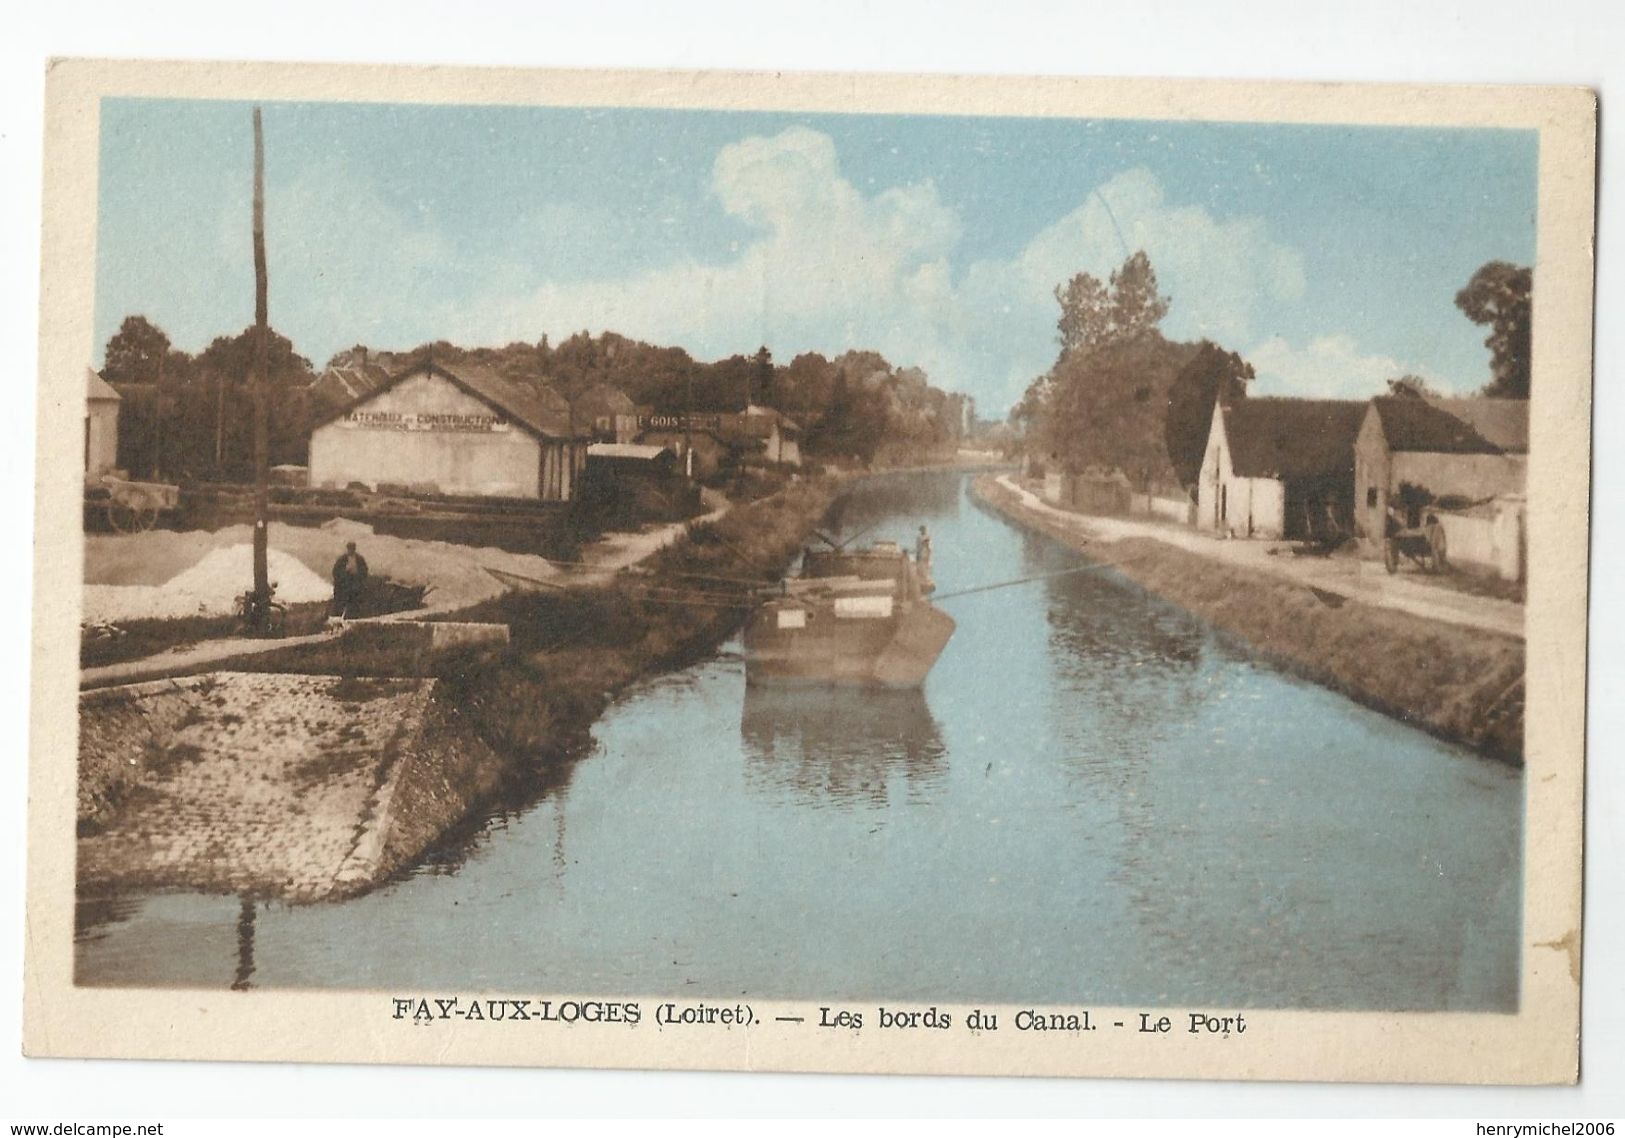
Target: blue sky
x: 1329, y: 256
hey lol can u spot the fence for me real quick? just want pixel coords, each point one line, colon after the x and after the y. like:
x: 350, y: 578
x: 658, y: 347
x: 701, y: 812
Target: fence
x: 1488, y: 538
x: 1093, y: 493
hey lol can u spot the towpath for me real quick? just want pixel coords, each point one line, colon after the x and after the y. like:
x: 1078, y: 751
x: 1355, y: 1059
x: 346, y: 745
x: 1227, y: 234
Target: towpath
x: 1354, y: 578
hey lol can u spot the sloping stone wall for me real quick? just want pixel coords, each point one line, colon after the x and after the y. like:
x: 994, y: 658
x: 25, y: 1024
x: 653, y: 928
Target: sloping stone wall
x: 269, y: 784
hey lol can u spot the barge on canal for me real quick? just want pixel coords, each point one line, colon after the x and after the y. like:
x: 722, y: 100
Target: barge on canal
x: 852, y: 618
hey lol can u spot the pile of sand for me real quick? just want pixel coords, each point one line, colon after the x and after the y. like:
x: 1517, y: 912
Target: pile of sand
x: 136, y: 576
x: 208, y: 588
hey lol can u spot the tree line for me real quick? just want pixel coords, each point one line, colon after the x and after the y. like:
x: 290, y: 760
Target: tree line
x: 190, y: 417
x: 1123, y: 397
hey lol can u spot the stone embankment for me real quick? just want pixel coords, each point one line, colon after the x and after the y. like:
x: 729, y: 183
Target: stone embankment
x: 1461, y: 683
x: 301, y: 787
x: 282, y: 778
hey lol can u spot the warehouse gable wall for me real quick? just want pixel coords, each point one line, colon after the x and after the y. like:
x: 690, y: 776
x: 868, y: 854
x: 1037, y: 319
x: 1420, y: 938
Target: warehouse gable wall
x: 506, y: 461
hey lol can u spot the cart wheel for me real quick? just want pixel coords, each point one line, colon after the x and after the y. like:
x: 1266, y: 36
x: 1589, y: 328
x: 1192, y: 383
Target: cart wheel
x: 134, y: 513
x: 122, y: 517
x: 1390, y: 555
x: 1438, y: 543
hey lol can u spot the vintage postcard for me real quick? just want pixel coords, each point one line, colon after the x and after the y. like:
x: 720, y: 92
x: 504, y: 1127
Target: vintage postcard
x: 795, y: 572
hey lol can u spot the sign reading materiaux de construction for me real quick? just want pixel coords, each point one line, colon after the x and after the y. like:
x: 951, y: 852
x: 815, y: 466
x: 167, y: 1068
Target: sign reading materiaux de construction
x: 423, y: 421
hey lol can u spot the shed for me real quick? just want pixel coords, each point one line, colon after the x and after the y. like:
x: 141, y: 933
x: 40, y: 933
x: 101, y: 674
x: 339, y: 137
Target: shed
x: 1280, y: 468
x: 101, y: 424
x: 642, y: 459
x: 461, y: 428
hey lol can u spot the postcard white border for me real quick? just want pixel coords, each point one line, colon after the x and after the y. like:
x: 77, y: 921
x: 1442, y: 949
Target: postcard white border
x: 1537, y: 1045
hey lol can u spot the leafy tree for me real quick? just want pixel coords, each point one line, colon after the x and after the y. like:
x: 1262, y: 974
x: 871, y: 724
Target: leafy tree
x: 1411, y: 387
x: 1093, y: 314
x: 1085, y: 313
x: 136, y: 352
x: 233, y: 356
x: 1103, y: 401
x: 1109, y: 406
x: 1500, y: 295
x: 761, y: 376
x: 1212, y: 375
x: 804, y: 389
x: 1137, y: 306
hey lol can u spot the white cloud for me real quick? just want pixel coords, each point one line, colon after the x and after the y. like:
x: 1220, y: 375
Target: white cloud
x: 1218, y: 273
x: 1329, y: 367
x: 830, y: 267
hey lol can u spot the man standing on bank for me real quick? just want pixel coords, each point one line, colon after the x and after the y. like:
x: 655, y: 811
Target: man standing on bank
x: 349, y: 579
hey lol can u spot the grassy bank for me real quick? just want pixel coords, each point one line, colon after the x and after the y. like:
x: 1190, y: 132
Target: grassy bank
x: 1457, y: 683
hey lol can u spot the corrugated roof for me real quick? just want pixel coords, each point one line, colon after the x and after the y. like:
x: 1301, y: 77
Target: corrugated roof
x: 98, y: 388
x: 1455, y: 426
x: 539, y: 410
x: 645, y: 451
x: 1292, y: 438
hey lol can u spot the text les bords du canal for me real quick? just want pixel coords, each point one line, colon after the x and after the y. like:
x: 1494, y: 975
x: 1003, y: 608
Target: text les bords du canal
x: 631, y: 1013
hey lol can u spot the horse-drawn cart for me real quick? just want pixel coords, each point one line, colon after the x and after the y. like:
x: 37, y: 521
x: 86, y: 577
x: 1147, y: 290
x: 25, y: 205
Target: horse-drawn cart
x: 1423, y: 543
x: 130, y: 507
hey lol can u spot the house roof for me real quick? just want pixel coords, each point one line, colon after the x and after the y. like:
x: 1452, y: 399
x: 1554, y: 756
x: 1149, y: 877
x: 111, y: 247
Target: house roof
x: 759, y: 419
x: 98, y: 388
x: 1292, y: 438
x: 348, y: 382
x: 604, y: 399
x: 1455, y: 426
x: 538, y: 410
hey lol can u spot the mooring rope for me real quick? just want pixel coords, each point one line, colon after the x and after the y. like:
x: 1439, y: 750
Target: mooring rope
x: 1024, y: 581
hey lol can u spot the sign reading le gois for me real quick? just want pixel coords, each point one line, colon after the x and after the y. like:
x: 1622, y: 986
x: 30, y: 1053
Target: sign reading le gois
x: 424, y: 421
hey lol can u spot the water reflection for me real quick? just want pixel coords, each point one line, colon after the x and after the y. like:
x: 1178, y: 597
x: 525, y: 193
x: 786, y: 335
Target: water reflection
x: 245, y: 946
x: 97, y: 917
x: 543, y: 784
x: 1143, y: 677
x: 1095, y: 799
x: 820, y: 747
x: 898, y: 500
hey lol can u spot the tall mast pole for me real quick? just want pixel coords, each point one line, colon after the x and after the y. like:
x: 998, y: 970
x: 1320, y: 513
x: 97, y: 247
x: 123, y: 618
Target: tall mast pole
x: 262, y: 352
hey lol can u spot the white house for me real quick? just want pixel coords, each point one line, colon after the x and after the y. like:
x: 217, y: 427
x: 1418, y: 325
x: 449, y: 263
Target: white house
x: 1280, y: 468
x: 101, y: 424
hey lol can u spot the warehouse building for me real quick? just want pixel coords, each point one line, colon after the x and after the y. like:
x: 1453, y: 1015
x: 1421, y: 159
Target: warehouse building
x: 452, y: 429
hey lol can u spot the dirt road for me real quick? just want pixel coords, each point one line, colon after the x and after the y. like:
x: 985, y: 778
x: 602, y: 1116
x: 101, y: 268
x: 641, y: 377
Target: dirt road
x: 1354, y: 578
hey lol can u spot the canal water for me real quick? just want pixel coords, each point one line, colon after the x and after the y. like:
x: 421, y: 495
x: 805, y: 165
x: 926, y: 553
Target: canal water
x: 1096, y: 799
